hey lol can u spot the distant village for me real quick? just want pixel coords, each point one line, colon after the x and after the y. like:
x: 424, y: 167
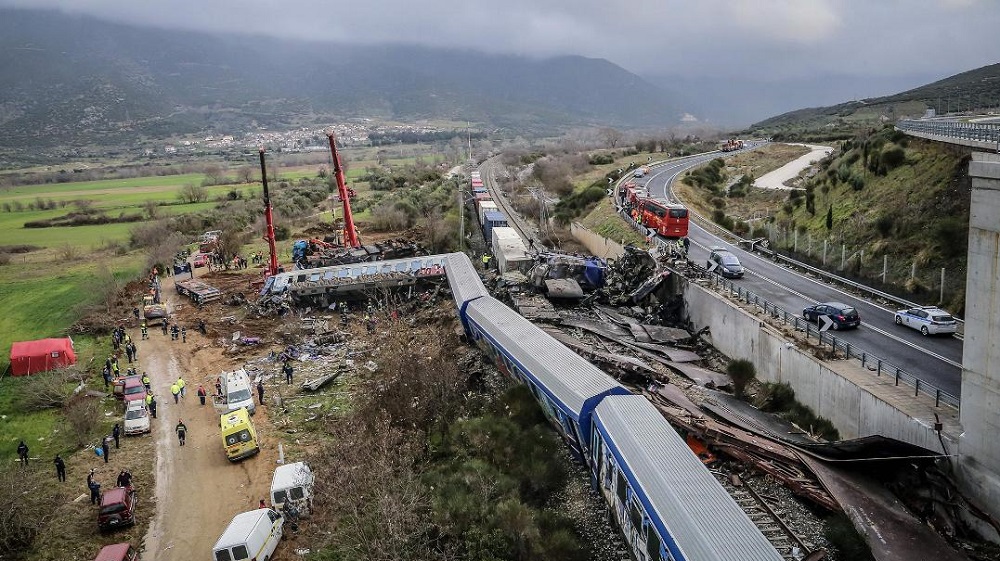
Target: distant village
x: 304, y: 139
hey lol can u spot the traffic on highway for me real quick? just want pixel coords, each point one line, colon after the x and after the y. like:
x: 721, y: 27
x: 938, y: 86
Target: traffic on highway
x: 934, y: 359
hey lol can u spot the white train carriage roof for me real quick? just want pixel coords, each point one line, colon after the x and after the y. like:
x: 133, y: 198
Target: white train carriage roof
x: 697, y: 519
x: 463, y: 279
x: 569, y: 380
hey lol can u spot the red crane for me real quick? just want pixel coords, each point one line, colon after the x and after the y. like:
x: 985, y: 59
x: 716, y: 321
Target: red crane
x: 272, y: 264
x: 350, y: 234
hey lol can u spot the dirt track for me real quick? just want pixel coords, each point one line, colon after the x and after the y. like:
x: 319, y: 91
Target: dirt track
x: 198, y: 490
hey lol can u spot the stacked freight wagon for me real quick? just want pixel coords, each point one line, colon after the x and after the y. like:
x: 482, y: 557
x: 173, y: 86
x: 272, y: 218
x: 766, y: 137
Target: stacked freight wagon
x: 504, y: 242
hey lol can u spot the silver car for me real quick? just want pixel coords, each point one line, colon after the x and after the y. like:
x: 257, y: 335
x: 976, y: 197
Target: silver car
x: 136, y: 418
x: 928, y: 320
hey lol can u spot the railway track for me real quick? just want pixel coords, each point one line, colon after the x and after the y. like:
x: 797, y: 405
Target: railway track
x: 789, y: 545
x: 490, y: 171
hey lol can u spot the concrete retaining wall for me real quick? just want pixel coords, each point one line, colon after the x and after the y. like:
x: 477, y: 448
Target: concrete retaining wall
x: 836, y: 390
x: 596, y: 243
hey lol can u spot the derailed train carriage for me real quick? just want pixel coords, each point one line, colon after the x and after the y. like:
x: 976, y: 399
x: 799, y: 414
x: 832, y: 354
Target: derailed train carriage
x: 667, y: 504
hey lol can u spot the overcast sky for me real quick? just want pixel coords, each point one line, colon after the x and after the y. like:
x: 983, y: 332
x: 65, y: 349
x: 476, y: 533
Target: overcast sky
x: 782, y: 39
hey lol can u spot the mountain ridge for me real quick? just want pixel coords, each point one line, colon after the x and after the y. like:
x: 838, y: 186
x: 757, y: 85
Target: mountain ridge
x: 78, y: 79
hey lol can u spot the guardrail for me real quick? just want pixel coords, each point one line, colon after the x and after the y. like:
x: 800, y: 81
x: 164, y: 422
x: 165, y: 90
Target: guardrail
x: 984, y: 132
x: 868, y: 361
x: 975, y: 132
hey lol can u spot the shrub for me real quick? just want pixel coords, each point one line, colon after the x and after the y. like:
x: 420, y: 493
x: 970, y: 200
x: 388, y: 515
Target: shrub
x: 884, y: 224
x: 742, y: 371
x: 857, y: 182
x: 892, y: 158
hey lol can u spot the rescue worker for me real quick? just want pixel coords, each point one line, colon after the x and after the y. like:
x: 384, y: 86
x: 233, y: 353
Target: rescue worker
x: 95, y: 488
x: 116, y: 433
x: 145, y: 332
x: 184, y: 335
x: 22, y: 453
x: 163, y: 326
x: 201, y: 394
x: 287, y: 369
x: 152, y: 406
x: 60, y: 468
x: 175, y: 391
x: 260, y: 391
x: 180, y: 384
x: 146, y: 381
x: 181, y: 429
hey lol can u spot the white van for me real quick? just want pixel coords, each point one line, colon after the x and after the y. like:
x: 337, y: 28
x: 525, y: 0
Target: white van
x: 251, y: 535
x: 237, y: 391
x: 292, y: 482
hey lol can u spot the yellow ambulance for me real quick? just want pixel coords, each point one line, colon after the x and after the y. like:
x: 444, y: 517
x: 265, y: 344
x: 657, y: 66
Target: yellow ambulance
x: 238, y: 435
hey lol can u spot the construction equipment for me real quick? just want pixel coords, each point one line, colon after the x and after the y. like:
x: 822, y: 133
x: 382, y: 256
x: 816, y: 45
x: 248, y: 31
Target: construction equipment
x: 350, y: 233
x: 272, y: 263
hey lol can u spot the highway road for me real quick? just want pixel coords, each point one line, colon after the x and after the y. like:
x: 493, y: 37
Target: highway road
x: 934, y: 359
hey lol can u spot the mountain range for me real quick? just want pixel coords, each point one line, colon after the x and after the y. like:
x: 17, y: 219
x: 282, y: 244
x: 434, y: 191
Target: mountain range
x: 73, y: 79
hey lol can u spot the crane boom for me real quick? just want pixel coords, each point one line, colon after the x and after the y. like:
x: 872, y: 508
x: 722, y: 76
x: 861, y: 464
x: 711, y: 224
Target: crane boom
x: 272, y: 264
x: 350, y: 234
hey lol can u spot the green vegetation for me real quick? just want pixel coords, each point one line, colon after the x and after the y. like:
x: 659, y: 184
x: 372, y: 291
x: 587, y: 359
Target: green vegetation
x: 885, y: 197
x: 742, y: 372
x: 469, y: 473
x: 780, y: 399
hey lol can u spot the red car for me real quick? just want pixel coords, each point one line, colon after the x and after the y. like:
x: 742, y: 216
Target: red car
x: 200, y: 260
x: 117, y: 508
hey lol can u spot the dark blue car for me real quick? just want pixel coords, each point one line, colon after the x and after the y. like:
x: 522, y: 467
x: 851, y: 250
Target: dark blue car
x: 842, y: 315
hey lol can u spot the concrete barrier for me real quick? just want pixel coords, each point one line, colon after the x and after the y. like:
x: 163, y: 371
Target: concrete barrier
x: 595, y: 243
x: 856, y: 401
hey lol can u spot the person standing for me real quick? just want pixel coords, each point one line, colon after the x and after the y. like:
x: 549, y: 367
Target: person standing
x: 180, y: 384
x: 201, y: 394
x: 60, y: 468
x: 22, y: 453
x: 152, y: 405
x: 146, y: 382
x: 175, y: 390
x: 184, y: 335
x: 164, y: 326
x: 116, y: 433
x: 106, y: 373
x: 145, y: 331
x: 181, y: 432
x: 106, y: 447
x: 95, y: 488
x: 287, y: 369
x: 260, y: 391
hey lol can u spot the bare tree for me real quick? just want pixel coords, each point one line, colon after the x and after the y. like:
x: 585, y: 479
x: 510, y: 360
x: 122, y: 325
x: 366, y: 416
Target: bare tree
x: 245, y: 174
x: 611, y: 136
x: 191, y: 193
x: 151, y: 208
x: 22, y: 520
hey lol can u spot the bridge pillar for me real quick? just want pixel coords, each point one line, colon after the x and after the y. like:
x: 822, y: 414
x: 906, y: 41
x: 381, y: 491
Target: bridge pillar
x: 979, y: 447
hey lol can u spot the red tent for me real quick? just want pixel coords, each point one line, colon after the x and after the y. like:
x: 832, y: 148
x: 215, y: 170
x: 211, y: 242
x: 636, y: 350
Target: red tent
x: 30, y: 357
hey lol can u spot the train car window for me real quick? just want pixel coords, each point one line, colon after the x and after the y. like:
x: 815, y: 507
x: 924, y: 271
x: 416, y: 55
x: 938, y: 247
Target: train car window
x: 636, y: 514
x: 622, y: 488
x: 652, y: 542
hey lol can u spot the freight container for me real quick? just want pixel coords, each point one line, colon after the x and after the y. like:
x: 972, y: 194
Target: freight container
x: 482, y: 207
x: 494, y: 219
x: 509, y: 250
x: 479, y: 191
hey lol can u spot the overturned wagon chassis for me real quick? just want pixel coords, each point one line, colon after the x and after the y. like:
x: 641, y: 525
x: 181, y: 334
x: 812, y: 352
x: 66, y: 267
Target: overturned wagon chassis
x: 324, y: 285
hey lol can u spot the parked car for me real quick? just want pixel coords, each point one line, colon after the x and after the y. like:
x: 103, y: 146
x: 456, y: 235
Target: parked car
x: 125, y: 382
x: 727, y: 264
x: 133, y: 390
x: 118, y: 552
x: 117, y: 508
x: 842, y: 315
x: 136, y: 417
x: 200, y: 260
x: 929, y: 320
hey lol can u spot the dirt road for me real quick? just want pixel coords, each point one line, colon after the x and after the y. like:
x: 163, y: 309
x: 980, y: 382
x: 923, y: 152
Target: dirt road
x: 198, y: 490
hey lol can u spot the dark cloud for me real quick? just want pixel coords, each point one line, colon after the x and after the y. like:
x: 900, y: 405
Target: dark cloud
x: 783, y: 39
